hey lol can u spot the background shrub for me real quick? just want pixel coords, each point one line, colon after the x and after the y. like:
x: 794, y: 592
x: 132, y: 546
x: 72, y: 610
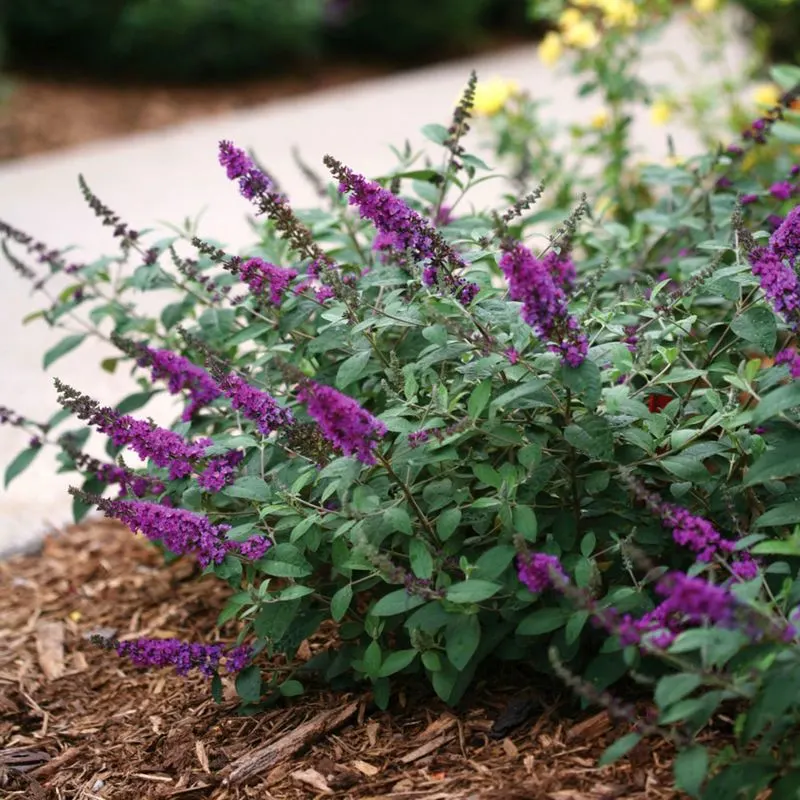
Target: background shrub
x: 778, y: 23
x: 180, y: 40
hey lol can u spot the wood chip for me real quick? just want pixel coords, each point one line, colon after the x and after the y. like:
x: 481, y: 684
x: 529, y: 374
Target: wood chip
x: 365, y: 769
x: 510, y: 748
x: 312, y: 778
x: 428, y: 748
x: 202, y: 756
x: 267, y: 757
x: 50, y: 648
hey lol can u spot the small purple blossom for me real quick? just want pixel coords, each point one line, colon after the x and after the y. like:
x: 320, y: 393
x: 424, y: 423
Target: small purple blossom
x: 782, y: 190
x: 631, y: 338
x: 257, y: 406
x: 418, y: 438
x: 181, y: 374
x: 157, y: 653
x: 695, y: 533
x: 748, y: 199
x: 512, y: 355
x: 789, y: 356
x: 239, y: 166
x: 266, y: 281
x: 785, y: 241
x: 255, y: 547
x: 343, y: 422
x: 539, y: 571
x: 778, y: 281
x: 220, y: 471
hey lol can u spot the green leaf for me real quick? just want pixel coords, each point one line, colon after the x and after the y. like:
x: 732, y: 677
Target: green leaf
x: 718, y: 645
x: 420, y: 559
x: 216, y: 688
x: 591, y: 435
x: 619, y: 749
x: 690, y: 769
x: 575, y: 626
x: 249, y: 487
x: 284, y: 560
x: 487, y: 474
x: 775, y: 402
x: 586, y: 381
x: 784, y: 514
x: 66, y: 345
x: 22, y: 461
x: 494, y: 561
x: 248, y: 684
x: 525, y: 522
x: 447, y: 522
x: 133, y: 402
x: 340, y: 602
x: 782, y: 462
x: 435, y: 133
x: 672, y: 688
x: 397, y: 602
x: 397, y: 519
x: 507, y: 398
x: 479, y: 398
x: 275, y: 619
x: 396, y: 662
x: 462, y: 637
x: 757, y: 326
x: 472, y: 591
x: 372, y: 660
x: 291, y: 688
x: 543, y: 620
x: 786, y: 132
x: 351, y: 368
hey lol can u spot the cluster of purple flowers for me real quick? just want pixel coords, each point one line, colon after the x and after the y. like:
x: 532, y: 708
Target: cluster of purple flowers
x: 184, y: 657
x: 774, y: 267
x: 181, y: 374
x: 785, y: 241
x: 539, y: 571
x: 239, y: 166
x: 265, y: 279
x: 129, y: 482
x: 790, y: 357
x: 257, y: 406
x: 403, y: 229
x: 539, y: 284
x: 220, y: 471
x: 343, y: 422
x: 165, y: 448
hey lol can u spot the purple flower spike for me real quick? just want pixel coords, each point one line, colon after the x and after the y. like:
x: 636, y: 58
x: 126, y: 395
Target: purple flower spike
x: 537, y: 284
x: 778, y: 281
x: 257, y: 406
x: 790, y: 357
x: 239, y: 166
x: 155, y: 653
x: 221, y: 471
x: 183, y: 532
x: 343, y: 422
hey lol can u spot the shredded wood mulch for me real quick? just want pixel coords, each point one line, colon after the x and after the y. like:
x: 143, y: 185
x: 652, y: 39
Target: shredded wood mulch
x: 78, y: 722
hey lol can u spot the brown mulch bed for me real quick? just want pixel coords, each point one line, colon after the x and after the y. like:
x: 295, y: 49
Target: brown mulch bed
x: 78, y: 722
x: 40, y: 115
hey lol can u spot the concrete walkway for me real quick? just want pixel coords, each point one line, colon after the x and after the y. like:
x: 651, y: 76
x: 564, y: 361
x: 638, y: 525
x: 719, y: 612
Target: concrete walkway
x: 169, y: 175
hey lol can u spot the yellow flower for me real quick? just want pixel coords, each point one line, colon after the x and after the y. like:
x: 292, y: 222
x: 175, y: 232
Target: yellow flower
x: 582, y: 34
x: 550, y: 48
x: 767, y: 94
x: 705, y: 6
x: 492, y: 95
x: 569, y: 18
x: 621, y: 13
x: 605, y: 205
x: 600, y: 119
x: 660, y: 112
x: 676, y: 161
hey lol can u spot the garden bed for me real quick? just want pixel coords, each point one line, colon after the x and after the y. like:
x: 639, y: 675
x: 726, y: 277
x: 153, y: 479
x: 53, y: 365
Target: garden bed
x: 80, y: 722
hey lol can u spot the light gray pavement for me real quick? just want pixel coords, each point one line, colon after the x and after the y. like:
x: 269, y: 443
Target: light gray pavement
x: 171, y: 174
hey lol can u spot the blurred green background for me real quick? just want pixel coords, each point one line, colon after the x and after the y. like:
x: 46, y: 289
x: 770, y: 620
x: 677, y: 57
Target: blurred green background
x: 216, y: 40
